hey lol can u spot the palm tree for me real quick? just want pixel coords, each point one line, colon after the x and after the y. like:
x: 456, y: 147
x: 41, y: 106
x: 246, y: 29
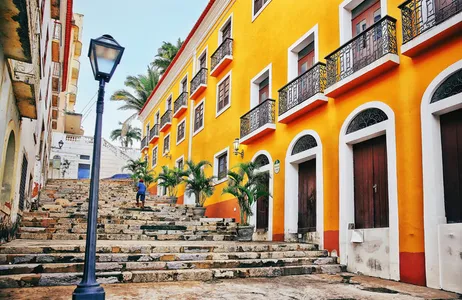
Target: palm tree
x: 197, y: 183
x: 142, y: 85
x: 170, y: 179
x: 132, y: 134
x: 165, y: 55
x: 139, y: 170
x: 247, y: 186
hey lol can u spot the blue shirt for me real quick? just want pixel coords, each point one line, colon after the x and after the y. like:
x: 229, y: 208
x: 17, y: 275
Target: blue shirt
x: 141, y: 188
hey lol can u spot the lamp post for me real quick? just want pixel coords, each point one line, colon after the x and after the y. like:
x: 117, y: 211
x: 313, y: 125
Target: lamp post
x: 105, y: 54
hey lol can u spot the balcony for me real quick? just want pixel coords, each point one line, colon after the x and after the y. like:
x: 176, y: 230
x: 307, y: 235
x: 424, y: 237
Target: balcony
x: 154, y: 134
x: 56, y: 70
x: 198, y: 83
x: 75, y: 68
x: 428, y: 22
x: 222, y: 57
x: 55, y: 44
x: 77, y: 48
x: 144, y: 144
x: 258, y: 121
x: 55, y: 11
x: 166, y: 121
x: 72, y: 93
x: 73, y: 123
x: 180, y: 105
x: 24, y: 81
x: 304, y: 93
x: 370, y: 53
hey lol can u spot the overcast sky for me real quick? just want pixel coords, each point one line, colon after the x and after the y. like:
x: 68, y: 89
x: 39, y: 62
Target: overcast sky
x: 138, y: 25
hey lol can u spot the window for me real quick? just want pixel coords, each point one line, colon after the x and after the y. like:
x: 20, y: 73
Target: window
x: 180, y: 131
x: 199, y: 117
x: 306, y: 58
x: 365, y: 15
x: 168, y: 104
x: 223, y: 93
x: 303, y: 53
x: 222, y: 166
x: 226, y: 31
x: 157, y: 118
x: 166, y: 144
x: 263, y: 90
x: 260, y: 87
x: 85, y: 157
x: 184, y: 85
x: 258, y: 5
x: 203, y: 60
x: 180, y: 163
x: 154, y: 157
x: 147, y: 130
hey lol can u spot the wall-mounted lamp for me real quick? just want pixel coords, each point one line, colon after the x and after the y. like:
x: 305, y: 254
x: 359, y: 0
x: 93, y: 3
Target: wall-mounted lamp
x: 236, y: 145
x: 60, y: 145
x: 168, y: 155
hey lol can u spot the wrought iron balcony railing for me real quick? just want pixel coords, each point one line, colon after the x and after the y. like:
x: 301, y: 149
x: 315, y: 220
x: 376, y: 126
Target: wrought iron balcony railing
x: 259, y: 116
x: 200, y: 78
x: 182, y: 100
x: 418, y: 16
x: 302, y: 88
x: 367, y: 47
x: 144, y: 143
x: 225, y: 48
x: 166, y: 118
x: 154, y: 131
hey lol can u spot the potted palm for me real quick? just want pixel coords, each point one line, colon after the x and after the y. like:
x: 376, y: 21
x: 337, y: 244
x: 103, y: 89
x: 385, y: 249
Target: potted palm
x: 198, y: 184
x: 170, y: 179
x: 247, y: 186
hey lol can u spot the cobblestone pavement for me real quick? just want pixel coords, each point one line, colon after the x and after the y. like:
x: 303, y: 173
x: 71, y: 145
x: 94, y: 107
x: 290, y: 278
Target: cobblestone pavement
x: 319, y: 287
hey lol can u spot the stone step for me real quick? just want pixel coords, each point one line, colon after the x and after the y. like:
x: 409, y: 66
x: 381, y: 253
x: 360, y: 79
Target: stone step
x: 129, y: 237
x: 131, y: 224
x: 53, y: 279
x: 161, y: 265
x: 39, y: 258
x: 148, y: 247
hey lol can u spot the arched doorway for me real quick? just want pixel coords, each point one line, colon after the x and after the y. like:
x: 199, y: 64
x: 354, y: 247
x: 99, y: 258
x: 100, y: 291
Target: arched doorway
x: 7, y: 188
x: 441, y: 117
x: 368, y: 192
x: 262, y: 210
x: 304, y: 197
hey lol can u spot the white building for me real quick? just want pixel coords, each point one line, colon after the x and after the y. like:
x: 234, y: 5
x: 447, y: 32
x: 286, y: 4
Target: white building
x: 73, y: 159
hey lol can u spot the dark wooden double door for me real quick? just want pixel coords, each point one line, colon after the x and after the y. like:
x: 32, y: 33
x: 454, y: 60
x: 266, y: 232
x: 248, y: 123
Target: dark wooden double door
x: 371, y: 183
x: 307, y: 196
x: 263, y: 207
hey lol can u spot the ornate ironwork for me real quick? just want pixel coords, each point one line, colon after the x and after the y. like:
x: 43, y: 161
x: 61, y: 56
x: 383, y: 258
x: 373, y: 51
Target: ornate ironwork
x: 166, y: 118
x: 366, y: 118
x: 259, y: 116
x: 154, y: 132
x: 367, y: 47
x: 199, y: 78
x: 302, y: 88
x: 450, y: 86
x: 261, y: 160
x: 304, y: 143
x: 418, y: 16
x: 225, y: 48
x: 182, y: 100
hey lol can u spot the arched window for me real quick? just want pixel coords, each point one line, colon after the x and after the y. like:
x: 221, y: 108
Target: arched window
x: 304, y: 143
x: 450, y: 86
x: 366, y: 118
x: 261, y: 160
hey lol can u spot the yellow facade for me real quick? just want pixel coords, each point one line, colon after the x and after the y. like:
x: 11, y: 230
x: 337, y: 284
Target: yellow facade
x: 265, y: 41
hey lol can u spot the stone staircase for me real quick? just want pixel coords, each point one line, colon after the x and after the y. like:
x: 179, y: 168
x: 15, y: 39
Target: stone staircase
x: 165, y: 242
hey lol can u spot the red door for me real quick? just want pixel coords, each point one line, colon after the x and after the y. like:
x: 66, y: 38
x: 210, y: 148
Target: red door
x: 307, y: 196
x: 263, y: 208
x: 371, y: 183
x: 451, y: 146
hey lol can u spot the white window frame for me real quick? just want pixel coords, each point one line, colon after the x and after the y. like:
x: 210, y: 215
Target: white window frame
x: 345, y: 15
x: 311, y: 35
x: 255, y: 15
x: 194, y: 118
x: 180, y: 89
x: 184, y: 136
x: 217, y: 113
x: 198, y: 61
x: 267, y: 72
x: 169, y: 144
x: 178, y: 159
x: 215, y: 165
x: 220, y: 31
x: 152, y: 154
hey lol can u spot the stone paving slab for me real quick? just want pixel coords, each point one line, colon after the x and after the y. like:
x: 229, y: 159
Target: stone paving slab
x: 319, y: 287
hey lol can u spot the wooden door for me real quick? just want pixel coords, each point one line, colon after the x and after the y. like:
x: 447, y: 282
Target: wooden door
x: 226, y: 31
x: 263, y: 208
x: 451, y: 144
x: 307, y: 196
x: 371, y: 183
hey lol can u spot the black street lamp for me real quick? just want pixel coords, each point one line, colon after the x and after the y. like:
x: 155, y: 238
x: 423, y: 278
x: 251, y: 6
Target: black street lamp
x: 105, y: 54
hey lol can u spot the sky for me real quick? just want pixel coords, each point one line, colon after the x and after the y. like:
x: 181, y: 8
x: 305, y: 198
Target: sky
x: 138, y: 25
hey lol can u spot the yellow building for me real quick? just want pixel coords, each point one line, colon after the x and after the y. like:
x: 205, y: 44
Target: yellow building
x: 354, y: 110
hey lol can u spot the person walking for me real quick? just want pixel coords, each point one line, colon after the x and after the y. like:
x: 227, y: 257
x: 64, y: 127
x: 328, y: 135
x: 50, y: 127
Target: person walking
x: 141, y: 193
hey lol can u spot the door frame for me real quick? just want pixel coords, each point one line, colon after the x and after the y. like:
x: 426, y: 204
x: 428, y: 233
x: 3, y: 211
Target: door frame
x: 291, y: 187
x: 268, y: 168
x: 346, y: 181
x: 432, y: 168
